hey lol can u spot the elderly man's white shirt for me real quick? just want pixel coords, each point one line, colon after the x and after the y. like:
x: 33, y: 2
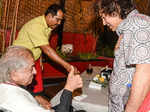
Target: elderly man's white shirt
x: 17, y: 99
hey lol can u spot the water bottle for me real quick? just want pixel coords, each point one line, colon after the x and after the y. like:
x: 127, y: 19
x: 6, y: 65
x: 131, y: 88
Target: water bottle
x: 90, y: 69
x: 127, y: 93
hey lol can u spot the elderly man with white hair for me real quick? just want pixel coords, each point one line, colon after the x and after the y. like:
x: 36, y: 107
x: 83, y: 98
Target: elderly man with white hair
x: 17, y: 70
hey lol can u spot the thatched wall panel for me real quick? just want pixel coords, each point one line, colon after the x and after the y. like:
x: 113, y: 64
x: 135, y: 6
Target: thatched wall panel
x: 79, y: 16
x: 28, y: 9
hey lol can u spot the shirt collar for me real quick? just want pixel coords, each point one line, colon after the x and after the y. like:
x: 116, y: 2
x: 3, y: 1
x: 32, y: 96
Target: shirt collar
x: 132, y: 13
x: 45, y: 24
x: 121, y: 26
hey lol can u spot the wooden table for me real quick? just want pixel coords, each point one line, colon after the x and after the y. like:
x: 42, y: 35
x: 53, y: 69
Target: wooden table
x: 96, y: 100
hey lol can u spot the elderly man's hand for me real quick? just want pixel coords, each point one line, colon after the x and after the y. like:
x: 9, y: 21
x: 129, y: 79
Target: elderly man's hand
x: 74, y: 81
x: 43, y: 102
x: 76, y: 71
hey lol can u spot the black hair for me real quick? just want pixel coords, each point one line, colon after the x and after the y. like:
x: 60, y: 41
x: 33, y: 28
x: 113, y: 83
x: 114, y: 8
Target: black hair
x: 53, y: 9
x: 122, y: 7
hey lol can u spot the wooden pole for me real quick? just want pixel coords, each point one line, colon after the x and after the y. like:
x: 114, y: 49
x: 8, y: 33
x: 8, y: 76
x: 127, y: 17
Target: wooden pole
x: 5, y: 23
x: 14, y: 23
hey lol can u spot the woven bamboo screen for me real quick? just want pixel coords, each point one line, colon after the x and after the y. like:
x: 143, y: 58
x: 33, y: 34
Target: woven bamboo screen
x: 27, y: 10
x: 15, y: 13
x: 79, y: 14
x: 143, y: 6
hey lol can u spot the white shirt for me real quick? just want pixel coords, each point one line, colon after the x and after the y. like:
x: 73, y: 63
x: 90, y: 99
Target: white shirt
x: 17, y: 99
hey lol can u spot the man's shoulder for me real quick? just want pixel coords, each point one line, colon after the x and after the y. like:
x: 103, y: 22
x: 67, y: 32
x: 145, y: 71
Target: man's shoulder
x: 140, y: 19
x: 37, y: 21
x: 136, y: 23
x: 9, y: 87
x: 38, y: 18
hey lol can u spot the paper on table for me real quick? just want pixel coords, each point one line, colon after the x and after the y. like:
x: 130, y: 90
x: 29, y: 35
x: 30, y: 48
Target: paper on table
x: 95, y: 85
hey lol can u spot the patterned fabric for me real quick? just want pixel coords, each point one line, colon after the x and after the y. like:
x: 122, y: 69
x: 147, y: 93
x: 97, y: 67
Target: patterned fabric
x: 134, y: 49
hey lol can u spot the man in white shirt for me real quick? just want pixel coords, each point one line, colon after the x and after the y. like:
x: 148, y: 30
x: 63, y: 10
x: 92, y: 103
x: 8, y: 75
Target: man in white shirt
x: 17, y: 70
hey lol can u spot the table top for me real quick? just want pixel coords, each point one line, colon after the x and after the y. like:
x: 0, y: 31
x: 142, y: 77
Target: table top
x: 96, y: 100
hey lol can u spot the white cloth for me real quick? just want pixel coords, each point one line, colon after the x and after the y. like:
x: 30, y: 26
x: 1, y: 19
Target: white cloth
x: 95, y: 85
x: 17, y: 99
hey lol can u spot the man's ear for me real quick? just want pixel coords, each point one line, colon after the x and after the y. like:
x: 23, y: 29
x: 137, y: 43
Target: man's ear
x: 100, y: 12
x: 13, y: 75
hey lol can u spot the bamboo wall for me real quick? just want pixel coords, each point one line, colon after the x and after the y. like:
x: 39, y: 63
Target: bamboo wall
x: 79, y: 16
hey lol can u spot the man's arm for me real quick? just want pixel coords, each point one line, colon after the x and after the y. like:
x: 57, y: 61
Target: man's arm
x: 140, y: 87
x: 51, y: 53
x: 73, y: 82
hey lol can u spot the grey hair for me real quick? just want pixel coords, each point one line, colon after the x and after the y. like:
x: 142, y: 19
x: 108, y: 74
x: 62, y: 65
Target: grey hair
x: 13, y: 60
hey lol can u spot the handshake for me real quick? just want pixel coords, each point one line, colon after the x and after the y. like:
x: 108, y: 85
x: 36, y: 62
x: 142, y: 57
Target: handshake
x: 74, y: 81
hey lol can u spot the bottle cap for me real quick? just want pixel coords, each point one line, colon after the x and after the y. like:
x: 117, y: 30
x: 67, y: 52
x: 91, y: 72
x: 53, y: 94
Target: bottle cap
x: 129, y: 85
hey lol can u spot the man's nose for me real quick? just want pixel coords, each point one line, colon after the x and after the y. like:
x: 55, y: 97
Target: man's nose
x: 59, y: 22
x: 34, y: 71
x: 104, y: 22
